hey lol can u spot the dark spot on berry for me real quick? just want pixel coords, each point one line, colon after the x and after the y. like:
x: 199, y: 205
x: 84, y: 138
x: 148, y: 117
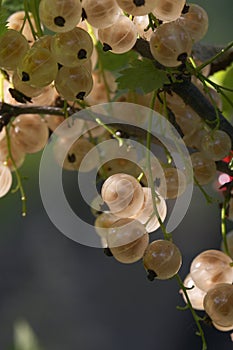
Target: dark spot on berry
x: 59, y: 21
x: 139, y: 2
x: 185, y: 9
x: 107, y: 252
x: 182, y: 57
x: 59, y: 66
x: 82, y: 54
x: 71, y: 158
x: 106, y: 47
x: 151, y: 275
x: 84, y: 14
x: 80, y: 95
x: 25, y: 76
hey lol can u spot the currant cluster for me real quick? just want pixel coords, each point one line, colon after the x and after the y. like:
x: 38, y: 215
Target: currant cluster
x: 209, y: 287
x: 38, y: 71
x: 132, y: 215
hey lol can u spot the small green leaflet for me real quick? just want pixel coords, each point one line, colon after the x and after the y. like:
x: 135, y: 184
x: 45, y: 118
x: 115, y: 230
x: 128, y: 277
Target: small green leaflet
x: 113, y: 62
x: 142, y: 74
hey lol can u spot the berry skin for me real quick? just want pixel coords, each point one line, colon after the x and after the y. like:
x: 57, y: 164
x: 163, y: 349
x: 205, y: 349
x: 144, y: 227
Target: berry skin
x: 101, y: 13
x: 163, y: 259
x: 30, y: 133
x: 168, y: 10
x: 119, y: 37
x: 195, y: 294
x: 204, y: 169
x: 218, y: 304
x: 73, y: 83
x: 123, y: 195
x: 38, y: 67
x: 210, y: 268
x: 168, y: 42
x: 216, y: 145
x: 13, y: 46
x: 5, y: 179
x: 137, y: 7
x: 73, y: 159
x: 72, y: 48
x: 195, y: 22
x: 127, y: 240
x: 60, y: 15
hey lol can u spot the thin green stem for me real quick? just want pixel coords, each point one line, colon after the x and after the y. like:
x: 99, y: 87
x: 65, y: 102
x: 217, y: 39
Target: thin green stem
x: 193, y: 312
x: 167, y: 236
x: 17, y: 174
x: 148, y: 161
x: 110, y: 130
x: 223, y: 225
x: 33, y: 7
x: 212, y: 59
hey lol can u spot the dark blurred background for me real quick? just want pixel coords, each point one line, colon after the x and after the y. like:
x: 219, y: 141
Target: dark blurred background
x: 75, y: 297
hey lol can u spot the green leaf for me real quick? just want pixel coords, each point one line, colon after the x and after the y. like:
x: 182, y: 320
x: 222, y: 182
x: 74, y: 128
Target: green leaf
x: 113, y: 62
x: 12, y: 6
x: 3, y: 20
x: 225, y: 78
x: 142, y: 74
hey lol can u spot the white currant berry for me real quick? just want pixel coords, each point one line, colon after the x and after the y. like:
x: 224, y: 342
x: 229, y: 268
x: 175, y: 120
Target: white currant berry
x: 137, y: 7
x: 30, y: 133
x: 120, y: 37
x: 218, y: 304
x: 13, y: 47
x: 73, y: 83
x: 5, y: 179
x: 74, y: 158
x: 195, y: 22
x: 216, y: 145
x: 60, y: 15
x: 204, y: 169
x: 72, y: 48
x: 168, y: 10
x: 147, y: 214
x: 123, y: 195
x: 210, y: 268
x: 124, y: 231
x: 163, y: 259
x: 38, y: 67
x: 169, y: 42
x: 195, y: 294
x: 101, y: 13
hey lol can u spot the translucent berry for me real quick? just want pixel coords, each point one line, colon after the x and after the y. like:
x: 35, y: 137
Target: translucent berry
x: 60, y: 15
x: 168, y: 10
x: 101, y: 13
x: 38, y: 67
x: 5, y: 179
x: 72, y: 48
x: 13, y: 47
x: 169, y: 42
x: 218, y: 304
x: 120, y: 37
x: 162, y: 259
x: 73, y: 83
x: 210, y: 268
x: 123, y: 195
